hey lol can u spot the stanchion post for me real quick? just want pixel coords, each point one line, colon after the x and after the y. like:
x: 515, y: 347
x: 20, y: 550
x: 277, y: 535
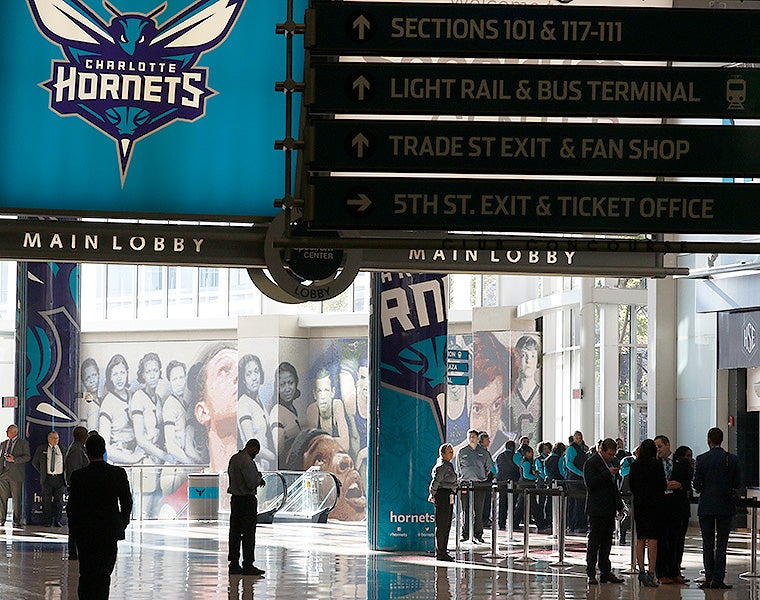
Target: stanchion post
x: 634, y: 566
x: 560, y: 564
x: 458, y: 516
x: 526, y: 527
x: 753, y: 544
x: 494, y: 526
x: 471, y: 510
x: 511, y: 510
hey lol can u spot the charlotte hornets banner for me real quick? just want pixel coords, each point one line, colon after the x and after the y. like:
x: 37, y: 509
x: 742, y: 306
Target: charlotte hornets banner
x: 47, y: 350
x: 142, y: 106
x: 409, y: 335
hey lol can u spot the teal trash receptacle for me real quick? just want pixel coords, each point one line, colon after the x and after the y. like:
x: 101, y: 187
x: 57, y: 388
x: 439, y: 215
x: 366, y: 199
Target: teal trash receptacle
x: 203, y: 496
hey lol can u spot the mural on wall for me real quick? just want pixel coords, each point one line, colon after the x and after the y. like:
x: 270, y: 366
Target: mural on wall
x: 196, y: 404
x: 503, y: 396
x: 333, y: 421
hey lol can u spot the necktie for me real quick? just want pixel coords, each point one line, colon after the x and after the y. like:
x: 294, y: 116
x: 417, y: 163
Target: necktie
x: 8, y: 452
x: 52, y: 460
x: 668, y: 467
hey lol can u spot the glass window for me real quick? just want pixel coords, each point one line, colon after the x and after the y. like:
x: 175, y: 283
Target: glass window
x: 181, y: 296
x: 490, y: 290
x: 245, y: 298
x: 362, y: 293
x: 120, y: 292
x: 343, y: 302
x: 212, y: 292
x: 151, y: 293
x: 92, y: 286
x: 624, y: 324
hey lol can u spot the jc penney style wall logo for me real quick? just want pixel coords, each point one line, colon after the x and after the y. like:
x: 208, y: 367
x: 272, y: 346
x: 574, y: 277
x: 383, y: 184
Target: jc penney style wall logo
x: 131, y: 76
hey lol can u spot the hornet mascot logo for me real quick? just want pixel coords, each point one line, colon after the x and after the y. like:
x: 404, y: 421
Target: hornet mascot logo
x: 130, y: 77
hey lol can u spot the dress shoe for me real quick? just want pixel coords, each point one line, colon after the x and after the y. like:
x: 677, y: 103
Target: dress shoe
x: 253, y: 571
x: 445, y: 558
x: 464, y: 538
x: 705, y: 585
x: 592, y: 581
x: 479, y: 539
x: 720, y: 586
x: 235, y: 569
x: 681, y: 580
x: 611, y: 578
x: 667, y: 580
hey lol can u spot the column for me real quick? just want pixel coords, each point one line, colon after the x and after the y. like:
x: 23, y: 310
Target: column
x: 407, y: 407
x: 47, y: 359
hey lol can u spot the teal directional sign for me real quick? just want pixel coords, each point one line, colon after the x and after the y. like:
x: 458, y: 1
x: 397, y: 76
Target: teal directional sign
x: 427, y: 29
x: 459, y: 204
x: 532, y: 148
x: 495, y: 89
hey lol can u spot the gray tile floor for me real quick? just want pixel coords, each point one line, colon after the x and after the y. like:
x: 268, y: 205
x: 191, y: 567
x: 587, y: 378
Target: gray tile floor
x: 171, y: 560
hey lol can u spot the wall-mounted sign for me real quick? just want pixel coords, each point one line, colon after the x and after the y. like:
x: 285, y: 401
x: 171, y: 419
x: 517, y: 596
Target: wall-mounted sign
x: 550, y: 205
x: 428, y: 29
x: 142, y: 107
x: 531, y: 148
x: 498, y: 89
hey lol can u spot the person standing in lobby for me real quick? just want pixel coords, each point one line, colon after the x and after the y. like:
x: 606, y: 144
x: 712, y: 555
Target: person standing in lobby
x: 76, y: 458
x: 15, y: 454
x: 48, y: 460
x: 473, y: 465
x: 443, y: 488
x: 245, y: 480
x: 100, y: 504
x: 716, y: 479
x: 602, y: 502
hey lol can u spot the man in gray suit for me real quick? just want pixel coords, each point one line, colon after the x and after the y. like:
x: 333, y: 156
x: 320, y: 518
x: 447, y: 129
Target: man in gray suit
x: 716, y: 478
x: 15, y: 454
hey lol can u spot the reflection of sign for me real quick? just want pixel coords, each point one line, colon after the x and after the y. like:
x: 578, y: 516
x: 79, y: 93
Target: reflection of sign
x: 418, y: 29
x: 478, y: 89
x: 457, y: 379
x: 531, y: 148
x: 419, y: 203
x: 457, y: 366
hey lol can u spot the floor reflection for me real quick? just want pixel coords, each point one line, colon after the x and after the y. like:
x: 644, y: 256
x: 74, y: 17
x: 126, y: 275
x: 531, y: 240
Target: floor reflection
x: 176, y: 561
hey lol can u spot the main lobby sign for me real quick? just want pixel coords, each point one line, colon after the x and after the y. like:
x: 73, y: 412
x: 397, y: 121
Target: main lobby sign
x: 174, y: 103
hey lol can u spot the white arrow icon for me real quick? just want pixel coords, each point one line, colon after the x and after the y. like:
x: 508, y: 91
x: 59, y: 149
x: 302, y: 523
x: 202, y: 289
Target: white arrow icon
x: 362, y: 24
x: 361, y: 85
x: 361, y: 143
x: 361, y: 203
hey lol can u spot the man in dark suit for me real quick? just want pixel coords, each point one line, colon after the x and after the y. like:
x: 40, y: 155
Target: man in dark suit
x: 602, y: 503
x: 49, y: 461
x: 100, y: 503
x: 14, y: 453
x: 76, y: 458
x: 676, y: 512
x: 716, y: 478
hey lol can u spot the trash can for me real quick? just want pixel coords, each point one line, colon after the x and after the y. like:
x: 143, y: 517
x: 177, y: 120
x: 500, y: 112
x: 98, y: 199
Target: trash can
x: 203, y: 496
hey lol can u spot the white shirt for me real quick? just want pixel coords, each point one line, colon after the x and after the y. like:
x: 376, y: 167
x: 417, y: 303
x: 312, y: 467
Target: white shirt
x: 58, y: 470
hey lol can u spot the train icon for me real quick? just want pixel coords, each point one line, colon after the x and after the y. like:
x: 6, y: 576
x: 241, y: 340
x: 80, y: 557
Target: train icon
x: 736, y: 93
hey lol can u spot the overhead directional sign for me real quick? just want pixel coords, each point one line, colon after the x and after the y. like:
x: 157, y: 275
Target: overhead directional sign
x: 426, y: 29
x: 494, y: 89
x: 532, y: 148
x: 521, y: 205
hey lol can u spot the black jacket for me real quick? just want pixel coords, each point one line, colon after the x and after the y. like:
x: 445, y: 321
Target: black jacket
x: 602, y: 494
x: 506, y: 469
x: 100, y: 501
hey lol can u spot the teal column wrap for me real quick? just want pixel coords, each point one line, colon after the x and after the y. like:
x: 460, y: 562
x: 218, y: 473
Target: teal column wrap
x: 407, y: 407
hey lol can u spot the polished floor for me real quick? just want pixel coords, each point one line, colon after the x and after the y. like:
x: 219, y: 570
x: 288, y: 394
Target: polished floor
x: 171, y: 560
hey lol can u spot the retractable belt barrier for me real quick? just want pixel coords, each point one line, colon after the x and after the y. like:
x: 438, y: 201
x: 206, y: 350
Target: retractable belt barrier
x: 753, y: 504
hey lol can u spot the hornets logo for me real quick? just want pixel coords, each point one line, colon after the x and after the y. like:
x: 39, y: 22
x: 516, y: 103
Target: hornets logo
x: 131, y: 76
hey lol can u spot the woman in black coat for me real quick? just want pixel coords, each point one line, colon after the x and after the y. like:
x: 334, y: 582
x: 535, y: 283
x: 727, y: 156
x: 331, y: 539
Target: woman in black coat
x: 648, y: 486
